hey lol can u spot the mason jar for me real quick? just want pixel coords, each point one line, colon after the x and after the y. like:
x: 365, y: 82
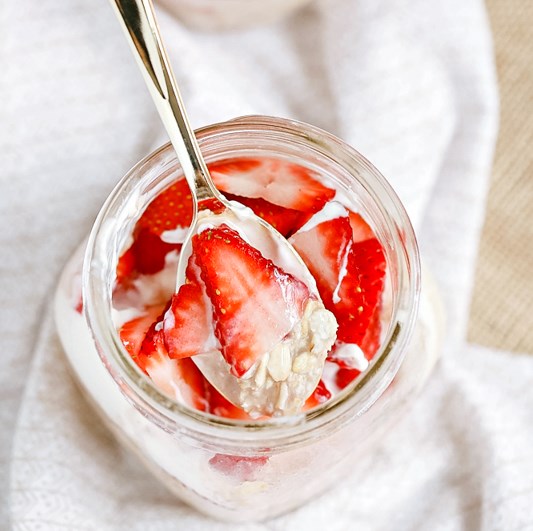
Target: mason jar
x: 230, y: 14
x: 239, y: 470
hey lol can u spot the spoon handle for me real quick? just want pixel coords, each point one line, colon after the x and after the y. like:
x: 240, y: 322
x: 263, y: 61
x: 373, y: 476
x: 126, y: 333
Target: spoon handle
x: 138, y: 20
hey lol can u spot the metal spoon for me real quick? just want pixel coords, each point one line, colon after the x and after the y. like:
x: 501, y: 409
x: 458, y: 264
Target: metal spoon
x: 140, y: 25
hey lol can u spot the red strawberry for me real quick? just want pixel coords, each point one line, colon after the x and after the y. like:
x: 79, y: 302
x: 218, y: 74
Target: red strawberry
x: 325, y: 248
x: 369, y: 345
x: 360, y: 291
x: 319, y: 396
x: 372, y: 340
x: 284, y: 220
x: 125, y: 267
x: 150, y: 251
x: 170, y: 209
x: 361, y: 230
x: 173, y: 377
x: 143, y: 339
x: 255, y: 303
x: 153, y: 350
x: 187, y: 323
x: 282, y: 183
x: 133, y: 332
x: 212, y: 204
x: 349, y: 275
x: 345, y: 377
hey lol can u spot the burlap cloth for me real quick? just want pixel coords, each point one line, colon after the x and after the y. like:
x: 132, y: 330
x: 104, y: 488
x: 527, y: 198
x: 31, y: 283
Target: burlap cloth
x: 501, y: 315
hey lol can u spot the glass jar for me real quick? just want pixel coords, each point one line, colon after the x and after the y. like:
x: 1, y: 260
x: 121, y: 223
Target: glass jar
x: 249, y: 470
x: 230, y: 14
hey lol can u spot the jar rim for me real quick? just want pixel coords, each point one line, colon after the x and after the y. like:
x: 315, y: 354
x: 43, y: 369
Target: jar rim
x: 356, y: 398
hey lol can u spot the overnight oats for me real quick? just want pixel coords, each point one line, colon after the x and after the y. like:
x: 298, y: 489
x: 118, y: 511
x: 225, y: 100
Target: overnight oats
x: 248, y: 387
x: 230, y: 14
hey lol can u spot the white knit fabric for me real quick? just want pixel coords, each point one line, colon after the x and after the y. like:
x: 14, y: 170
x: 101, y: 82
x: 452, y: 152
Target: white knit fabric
x: 410, y: 84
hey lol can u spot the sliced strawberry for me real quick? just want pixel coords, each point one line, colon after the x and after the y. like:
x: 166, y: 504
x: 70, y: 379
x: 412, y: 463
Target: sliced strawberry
x: 240, y: 467
x: 349, y: 275
x: 145, y: 256
x: 177, y: 378
x: 143, y: 339
x: 187, y: 324
x: 133, y: 332
x: 320, y: 395
x: 324, y: 249
x: 372, y: 339
x: 170, y: 209
x: 153, y: 350
x: 280, y: 182
x: 125, y: 267
x: 150, y: 252
x: 361, y: 230
x: 360, y: 291
x: 284, y: 220
x: 255, y: 303
x: 212, y: 204
x: 345, y: 377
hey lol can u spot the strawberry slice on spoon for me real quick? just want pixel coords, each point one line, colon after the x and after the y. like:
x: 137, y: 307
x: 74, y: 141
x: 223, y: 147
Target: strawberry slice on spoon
x: 273, y: 332
x: 255, y: 303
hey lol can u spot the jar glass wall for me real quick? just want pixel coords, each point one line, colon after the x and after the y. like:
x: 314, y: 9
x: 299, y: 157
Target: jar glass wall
x: 250, y: 470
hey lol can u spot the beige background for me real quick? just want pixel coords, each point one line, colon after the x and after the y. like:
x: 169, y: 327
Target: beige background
x: 502, y: 313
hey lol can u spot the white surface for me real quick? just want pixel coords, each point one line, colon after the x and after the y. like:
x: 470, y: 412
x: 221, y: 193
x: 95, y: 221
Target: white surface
x: 409, y: 83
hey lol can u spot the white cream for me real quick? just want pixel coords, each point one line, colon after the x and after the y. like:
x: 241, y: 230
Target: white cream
x: 331, y: 210
x: 352, y: 355
x: 343, y: 271
x: 150, y: 290
x: 177, y: 235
